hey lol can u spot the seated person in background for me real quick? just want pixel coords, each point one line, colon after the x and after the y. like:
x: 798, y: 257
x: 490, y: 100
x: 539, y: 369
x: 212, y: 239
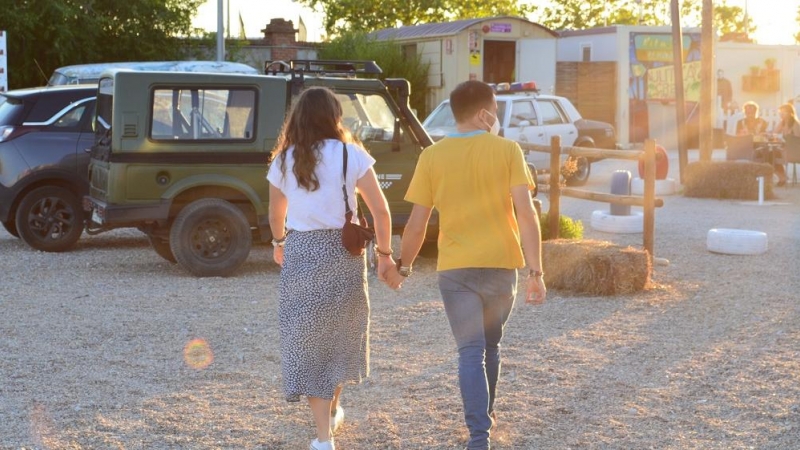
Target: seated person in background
x: 751, y: 124
x: 788, y: 125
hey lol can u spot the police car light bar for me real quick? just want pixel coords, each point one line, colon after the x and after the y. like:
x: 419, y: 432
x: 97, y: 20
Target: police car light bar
x: 513, y: 88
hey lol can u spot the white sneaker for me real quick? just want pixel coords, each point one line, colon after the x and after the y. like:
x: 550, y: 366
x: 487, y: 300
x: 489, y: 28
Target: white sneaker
x: 317, y: 445
x: 337, y: 418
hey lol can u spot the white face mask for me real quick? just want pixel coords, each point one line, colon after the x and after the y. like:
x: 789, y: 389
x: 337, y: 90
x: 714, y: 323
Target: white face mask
x: 495, y: 127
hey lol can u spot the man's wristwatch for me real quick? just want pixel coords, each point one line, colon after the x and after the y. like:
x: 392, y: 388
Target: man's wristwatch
x: 405, y: 271
x: 535, y: 273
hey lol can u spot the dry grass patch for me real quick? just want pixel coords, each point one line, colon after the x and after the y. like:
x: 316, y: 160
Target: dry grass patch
x: 595, y: 267
x: 727, y: 179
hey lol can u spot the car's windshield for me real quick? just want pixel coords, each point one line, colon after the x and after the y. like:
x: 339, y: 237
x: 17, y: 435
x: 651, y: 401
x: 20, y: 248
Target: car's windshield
x: 368, y: 116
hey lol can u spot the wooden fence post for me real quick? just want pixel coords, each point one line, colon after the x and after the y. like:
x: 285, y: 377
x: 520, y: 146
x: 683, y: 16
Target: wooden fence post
x: 553, y: 216
x: 649, y: 195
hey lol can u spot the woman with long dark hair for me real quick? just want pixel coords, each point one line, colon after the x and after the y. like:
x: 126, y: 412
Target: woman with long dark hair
x: 323, y: 306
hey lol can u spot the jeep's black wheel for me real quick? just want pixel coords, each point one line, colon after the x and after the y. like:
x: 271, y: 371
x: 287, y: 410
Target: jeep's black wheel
x: 582, y: 171
x: 162, y: 248
x: 11, y: 227
x: 210, y: 237
x: 50, y: 219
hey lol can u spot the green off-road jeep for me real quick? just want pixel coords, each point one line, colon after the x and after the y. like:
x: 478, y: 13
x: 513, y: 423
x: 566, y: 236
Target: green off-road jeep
x: 183, y: 156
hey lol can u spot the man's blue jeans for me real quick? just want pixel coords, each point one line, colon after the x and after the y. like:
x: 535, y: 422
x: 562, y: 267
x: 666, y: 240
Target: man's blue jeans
x: 478, y: 303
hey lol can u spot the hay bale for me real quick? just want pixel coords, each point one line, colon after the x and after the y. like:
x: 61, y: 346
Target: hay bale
x: 595, y: 267
x: 727, y: 179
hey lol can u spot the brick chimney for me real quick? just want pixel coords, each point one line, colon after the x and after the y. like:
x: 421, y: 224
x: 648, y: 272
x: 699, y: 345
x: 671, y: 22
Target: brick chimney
x: 280, y: 35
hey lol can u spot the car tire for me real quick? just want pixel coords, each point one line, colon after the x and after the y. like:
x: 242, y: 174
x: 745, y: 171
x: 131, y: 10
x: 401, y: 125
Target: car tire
x: 210, y: 237
x: 581, y: 175
x: 605, y: 221
x: 11, y: 227
x: 162, y: 248
x: 736, y: 242
x: 50, y: 219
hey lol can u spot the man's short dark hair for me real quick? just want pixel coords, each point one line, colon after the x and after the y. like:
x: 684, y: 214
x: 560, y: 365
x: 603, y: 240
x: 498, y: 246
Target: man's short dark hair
x: 470, y: 97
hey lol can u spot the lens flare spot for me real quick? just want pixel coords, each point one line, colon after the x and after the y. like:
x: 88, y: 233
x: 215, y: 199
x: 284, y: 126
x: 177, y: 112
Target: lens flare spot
x: 197, y: 354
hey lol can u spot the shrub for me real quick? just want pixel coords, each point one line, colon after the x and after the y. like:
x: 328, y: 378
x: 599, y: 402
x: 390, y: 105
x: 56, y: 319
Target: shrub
x: 727, y: 180
x: 567, y: 227
x: 391, y: 58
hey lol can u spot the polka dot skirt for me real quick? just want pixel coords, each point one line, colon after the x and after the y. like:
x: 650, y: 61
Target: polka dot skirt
x: 323, y: 313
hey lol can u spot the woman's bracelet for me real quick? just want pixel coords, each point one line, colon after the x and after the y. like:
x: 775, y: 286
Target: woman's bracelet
x: 383, y: 253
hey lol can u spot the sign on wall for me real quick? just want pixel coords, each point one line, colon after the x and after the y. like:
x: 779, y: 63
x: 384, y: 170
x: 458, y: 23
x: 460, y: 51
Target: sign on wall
x: 3, y: 63
x: 652, y: 74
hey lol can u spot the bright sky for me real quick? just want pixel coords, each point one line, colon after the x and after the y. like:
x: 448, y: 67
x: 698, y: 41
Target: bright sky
x: 775, y: 19
x: 256, y: 14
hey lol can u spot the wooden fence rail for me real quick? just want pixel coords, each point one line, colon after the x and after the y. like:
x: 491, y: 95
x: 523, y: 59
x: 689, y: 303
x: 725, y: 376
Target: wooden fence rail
x: 647, y: 201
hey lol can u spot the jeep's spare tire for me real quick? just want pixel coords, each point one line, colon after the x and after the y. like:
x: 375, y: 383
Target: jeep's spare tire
x: 210, y: 237
x: 50, y: 219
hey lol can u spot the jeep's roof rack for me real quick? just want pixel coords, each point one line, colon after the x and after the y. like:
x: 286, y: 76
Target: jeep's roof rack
x: 323, y: 66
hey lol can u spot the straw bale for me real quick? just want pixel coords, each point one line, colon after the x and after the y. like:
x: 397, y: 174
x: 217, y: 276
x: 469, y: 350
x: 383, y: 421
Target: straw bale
x: 727, y: 180
x: 595, y: 267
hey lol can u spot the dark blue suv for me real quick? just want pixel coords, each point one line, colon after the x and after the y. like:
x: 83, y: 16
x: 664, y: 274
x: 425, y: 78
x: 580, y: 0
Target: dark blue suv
x: 44, y: 136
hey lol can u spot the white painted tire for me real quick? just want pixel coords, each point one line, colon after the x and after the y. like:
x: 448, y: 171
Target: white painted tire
x: 605, y: 221
x: 663, y: 187
x: 736, y: 242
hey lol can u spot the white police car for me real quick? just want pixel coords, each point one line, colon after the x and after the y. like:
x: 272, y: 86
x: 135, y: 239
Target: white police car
x: 529, y: 117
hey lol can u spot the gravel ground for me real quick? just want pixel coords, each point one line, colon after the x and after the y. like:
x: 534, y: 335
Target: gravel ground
x: 110, y: 347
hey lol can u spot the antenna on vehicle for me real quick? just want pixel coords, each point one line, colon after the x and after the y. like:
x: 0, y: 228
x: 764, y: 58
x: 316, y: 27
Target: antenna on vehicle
x: 46, y: 80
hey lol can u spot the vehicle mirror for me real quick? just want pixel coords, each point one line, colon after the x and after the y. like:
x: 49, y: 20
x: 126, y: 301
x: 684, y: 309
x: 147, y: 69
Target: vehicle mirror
x: 524, y: 123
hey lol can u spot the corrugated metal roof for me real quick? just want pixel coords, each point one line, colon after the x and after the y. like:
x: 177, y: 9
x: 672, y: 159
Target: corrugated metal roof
x: 430, y: 30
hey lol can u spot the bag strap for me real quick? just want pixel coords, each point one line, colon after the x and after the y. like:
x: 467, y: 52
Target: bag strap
x: 348, y: 213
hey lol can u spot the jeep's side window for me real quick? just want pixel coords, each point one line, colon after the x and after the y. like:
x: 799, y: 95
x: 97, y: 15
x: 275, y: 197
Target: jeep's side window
x: 203, y: 114
x: 369, y: 117
x: 551, y: 115
x: 522, y: 111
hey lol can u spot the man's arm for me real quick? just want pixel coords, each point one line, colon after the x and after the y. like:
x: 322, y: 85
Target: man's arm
x: 531, y: 237
x: 414, y: 234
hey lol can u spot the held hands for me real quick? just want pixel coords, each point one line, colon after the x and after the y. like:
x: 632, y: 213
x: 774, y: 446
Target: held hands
x: 536, y: 291
x: 387, y: 272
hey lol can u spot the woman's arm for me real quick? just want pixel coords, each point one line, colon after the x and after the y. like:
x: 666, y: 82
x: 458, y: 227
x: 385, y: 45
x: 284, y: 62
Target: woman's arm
x: 376, y: 202
x: 278, y: 205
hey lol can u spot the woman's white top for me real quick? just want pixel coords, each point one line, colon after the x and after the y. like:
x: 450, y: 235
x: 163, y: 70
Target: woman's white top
x: 324, y: 208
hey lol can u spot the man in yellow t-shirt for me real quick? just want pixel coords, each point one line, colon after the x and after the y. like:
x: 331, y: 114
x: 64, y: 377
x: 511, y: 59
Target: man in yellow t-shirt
x: 480, y: 186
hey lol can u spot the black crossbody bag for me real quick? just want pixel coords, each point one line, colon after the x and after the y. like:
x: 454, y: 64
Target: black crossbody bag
x: 355, y: 238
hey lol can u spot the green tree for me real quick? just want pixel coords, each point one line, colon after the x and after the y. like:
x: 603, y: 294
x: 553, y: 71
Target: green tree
x: 797, y: 35
x: 46, y: 34
x: 391, y: 58
x: 731, y: 19
x: 582, y: 14
x: 371, y: 15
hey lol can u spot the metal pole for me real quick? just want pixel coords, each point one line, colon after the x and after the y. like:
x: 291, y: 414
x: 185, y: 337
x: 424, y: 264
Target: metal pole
x: 220, y: 31
x: 680, y: 104
x: 706, y: 80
